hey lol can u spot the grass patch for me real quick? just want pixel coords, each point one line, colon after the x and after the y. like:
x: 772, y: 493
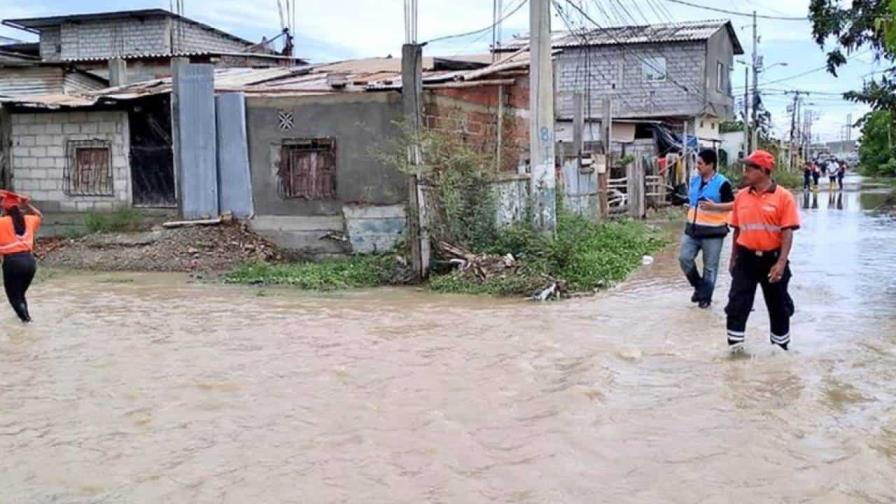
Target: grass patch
x: 583, y: 256
x: 120, y: 221
x: 334, y: 274
x: 788, y: 179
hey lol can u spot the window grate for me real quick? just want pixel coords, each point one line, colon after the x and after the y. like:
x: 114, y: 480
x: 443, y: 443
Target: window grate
x: 88, y: 168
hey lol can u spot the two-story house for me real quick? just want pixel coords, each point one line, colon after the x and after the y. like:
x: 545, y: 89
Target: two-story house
x: 145, y: 39
x: 671, y: 73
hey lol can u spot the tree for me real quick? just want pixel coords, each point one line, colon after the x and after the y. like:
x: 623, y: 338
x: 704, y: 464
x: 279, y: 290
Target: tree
x: 876, y: 154
x: 864, y: 24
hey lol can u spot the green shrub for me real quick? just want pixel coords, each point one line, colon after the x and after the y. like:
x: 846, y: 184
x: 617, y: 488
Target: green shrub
x: 333, y: 274
x: 122, y: 220
x: 583, y: 255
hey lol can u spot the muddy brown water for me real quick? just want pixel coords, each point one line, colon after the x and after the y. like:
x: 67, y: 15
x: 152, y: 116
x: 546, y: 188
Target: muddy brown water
x: 145, y: 388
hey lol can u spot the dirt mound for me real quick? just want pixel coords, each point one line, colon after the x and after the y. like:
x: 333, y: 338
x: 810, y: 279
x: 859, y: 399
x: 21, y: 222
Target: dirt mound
x: 211, y: 248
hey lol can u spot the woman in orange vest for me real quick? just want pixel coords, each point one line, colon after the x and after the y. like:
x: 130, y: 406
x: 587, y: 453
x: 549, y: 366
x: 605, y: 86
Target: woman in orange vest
x: 17, y: 232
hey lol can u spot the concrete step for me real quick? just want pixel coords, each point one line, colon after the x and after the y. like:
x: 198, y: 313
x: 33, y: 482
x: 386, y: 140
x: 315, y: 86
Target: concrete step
x: 303, y: 235
x: 297, y: 223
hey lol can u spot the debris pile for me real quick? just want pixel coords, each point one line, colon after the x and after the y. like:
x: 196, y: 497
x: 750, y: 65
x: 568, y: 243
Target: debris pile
x: 176, y: 249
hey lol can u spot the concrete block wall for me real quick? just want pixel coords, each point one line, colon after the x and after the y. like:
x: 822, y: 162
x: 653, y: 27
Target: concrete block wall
x: 616, y: 72
x: 49, y: 42
x: 197, y: 38
x: 39, y: 157
x: 105, y: 39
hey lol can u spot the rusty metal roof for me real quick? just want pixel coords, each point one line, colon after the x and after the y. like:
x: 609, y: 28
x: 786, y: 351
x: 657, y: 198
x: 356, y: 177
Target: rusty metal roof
x: 189, y: 54
x: 375, y: 74
x: 685, y: 31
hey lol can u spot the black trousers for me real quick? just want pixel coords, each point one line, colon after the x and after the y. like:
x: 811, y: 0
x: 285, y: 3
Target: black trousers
x: 751, y: 271
x: 18, y: 272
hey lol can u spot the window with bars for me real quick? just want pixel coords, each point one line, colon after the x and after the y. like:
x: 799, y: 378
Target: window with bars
x: 307, y: 169
x: 88, y: 169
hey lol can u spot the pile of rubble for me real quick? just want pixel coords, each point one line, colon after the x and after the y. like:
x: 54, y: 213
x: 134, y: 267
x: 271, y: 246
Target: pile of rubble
x: 178, y: 249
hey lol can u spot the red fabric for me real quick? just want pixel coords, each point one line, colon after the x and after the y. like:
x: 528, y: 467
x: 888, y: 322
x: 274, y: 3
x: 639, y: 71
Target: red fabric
x: 11, y: 199
x: 762, y: 159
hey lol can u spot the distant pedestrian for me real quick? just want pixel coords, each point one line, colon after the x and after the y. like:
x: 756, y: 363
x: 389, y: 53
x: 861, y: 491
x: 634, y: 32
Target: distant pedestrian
x: 841, y: 172
x: 710, y: 200
x: 764, y: 218
x: 17, y: 232
x: 816, y: 174
x: 833, y: 170
x: 808, y: 168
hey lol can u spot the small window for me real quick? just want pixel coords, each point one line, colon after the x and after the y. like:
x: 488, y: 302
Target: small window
x: 307, y: 169
x: 654, y: 69
x: 620, y: 75
x: 88, y: 169
x: 720, y: 77
x: 701, y: 124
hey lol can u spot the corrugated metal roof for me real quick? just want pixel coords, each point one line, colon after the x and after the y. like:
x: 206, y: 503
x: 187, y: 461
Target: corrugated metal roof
x: 684, y: 31
x: 34, y: 80
x: 358, y: 76
x: 185, y: 54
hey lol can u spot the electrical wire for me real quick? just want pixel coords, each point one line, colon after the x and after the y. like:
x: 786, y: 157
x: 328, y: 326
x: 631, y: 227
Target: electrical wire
x: 737, y: 13
x: 621, y: 44
x: 486, y: 29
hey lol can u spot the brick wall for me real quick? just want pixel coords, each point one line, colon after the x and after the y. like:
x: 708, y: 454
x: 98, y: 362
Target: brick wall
x: 105, y: 39
x: 472, y: 114
x: 49, y: 41
x: 617, y: 72
x: 197, y: 38
x: 39, y: 156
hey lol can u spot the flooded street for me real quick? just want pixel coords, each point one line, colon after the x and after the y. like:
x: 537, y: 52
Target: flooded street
x: 146, y: 388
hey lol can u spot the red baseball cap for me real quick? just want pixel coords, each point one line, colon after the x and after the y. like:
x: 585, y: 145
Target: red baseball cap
x: 761, y: 159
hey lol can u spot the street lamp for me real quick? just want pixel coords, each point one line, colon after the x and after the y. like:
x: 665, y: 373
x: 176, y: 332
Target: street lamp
x: 773, y: 65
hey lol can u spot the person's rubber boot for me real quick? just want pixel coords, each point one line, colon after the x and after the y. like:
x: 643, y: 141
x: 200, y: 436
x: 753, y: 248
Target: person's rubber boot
x: 705, y: 304
x: 696, y: 281
x: 23, y: 314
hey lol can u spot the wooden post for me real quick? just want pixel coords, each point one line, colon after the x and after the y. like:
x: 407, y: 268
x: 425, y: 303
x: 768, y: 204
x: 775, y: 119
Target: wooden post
x: 499, y: 143
x: 603, y: 179
x: 578, y: 123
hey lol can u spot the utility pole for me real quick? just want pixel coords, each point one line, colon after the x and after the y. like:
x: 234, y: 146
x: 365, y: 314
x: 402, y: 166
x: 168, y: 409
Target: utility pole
x: 541, y: 116
x: 848, y: 127
x: 796, y: 97
x: 497, y: 13
x: 412, y: 107
x: 755, y: 143
x: 746, y: 111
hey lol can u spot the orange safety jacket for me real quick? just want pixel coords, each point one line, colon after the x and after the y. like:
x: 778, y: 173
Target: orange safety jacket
x: 10, y: 242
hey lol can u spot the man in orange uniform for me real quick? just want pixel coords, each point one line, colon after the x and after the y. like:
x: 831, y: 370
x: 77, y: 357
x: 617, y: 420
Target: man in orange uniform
x: 764, y: 219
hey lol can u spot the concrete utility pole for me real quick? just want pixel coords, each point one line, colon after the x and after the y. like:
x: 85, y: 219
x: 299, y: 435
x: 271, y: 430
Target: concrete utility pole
x: 848, y: 127
x: 541, y: 116
x: 796, y: 97
x: 755, y: 142
x: 746, y: 111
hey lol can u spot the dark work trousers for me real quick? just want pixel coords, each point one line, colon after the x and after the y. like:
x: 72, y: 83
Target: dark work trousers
x: 751, y: 270
x: 18, y: 272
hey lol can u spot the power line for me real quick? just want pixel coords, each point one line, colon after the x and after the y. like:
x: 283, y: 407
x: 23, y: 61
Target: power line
x: 622, y: 45
x: 737, y: 13
x: 486, y: 29
x: 807, y: 72
x: 587, y: 56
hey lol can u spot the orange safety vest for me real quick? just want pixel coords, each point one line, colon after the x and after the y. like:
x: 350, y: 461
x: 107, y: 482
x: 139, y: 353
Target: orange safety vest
x: 10, y: 242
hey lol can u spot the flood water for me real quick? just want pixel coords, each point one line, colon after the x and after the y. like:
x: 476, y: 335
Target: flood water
x: 146, y: 388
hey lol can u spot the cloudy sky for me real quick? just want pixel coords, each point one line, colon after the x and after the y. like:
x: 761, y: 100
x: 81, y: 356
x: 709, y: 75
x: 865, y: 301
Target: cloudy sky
x: 340, y: 29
